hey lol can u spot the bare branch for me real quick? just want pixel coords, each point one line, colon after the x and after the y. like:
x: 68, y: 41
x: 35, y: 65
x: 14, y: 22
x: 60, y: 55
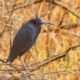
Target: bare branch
x: 66, y: 7
x: 53, y: 58
x: 24, y: 5
x: 69, y: 26
x: 53, y: 1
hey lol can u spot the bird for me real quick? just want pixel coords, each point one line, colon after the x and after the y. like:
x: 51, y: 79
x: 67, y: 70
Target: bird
x: 25, y: 38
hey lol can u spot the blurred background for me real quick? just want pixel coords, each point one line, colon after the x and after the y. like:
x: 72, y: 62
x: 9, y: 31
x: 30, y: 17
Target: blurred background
x: 53, y: 39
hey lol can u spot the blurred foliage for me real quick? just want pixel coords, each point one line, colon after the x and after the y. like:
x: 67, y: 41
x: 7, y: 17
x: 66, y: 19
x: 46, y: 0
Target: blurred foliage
x: 49, y: 42
x: 73, y: 17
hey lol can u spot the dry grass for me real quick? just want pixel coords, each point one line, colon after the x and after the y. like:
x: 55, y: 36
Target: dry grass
x: 51, y: 41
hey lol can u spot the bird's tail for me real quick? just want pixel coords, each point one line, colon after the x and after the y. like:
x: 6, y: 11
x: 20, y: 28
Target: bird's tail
x: 10, y: 59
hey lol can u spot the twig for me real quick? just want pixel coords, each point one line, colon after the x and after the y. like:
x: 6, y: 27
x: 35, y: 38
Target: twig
x: 10, y: 65
x: 66, y: 7
x: 61, y: 28
x: 21, y: 76
x: 2, y: 60
x: 69, y: 26
x: 54, y: 57
x: 1, y: 33
x: 24, y: 5
x: 46, y: 61
x: 47, y: 73
x: 48, y: 30
x: 57, y: 72
x: 53, y: 1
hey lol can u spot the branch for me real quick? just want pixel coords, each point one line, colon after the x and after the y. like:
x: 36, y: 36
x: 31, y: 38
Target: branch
x: 22, y: 75
x: 66, y: 8
x: 9, y: 65
x: 63, y: 27
x: 53, y: 1
x: 53, y: 58
x: 44, y: 62
x: 69, y: 26
x: 24, y: 5
x: 47, y: 73
x: 1, y: 33
x: 57, y: 72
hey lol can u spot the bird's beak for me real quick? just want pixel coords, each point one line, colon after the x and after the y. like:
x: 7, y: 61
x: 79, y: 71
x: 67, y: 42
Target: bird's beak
x: 45, y: 22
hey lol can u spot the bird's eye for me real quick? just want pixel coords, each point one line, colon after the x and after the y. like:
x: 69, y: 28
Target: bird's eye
x: 35, y: 22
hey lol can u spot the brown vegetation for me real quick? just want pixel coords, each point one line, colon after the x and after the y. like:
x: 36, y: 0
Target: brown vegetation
x: 56, y: 55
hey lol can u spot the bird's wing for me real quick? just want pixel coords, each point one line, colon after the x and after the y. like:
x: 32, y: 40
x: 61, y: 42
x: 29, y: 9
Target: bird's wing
x: 23, y: 40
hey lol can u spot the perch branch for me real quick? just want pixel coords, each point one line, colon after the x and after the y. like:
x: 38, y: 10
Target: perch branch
x: 53, y: 58
x: 46, y: 61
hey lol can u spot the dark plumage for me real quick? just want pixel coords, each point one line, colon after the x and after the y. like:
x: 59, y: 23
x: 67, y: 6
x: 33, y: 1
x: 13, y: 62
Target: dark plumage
x: 25, y: 38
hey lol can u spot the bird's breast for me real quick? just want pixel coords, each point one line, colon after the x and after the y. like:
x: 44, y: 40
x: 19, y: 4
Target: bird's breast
x: 35, y: 30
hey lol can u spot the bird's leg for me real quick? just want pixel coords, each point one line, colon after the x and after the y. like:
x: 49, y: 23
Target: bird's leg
x: 24, y: 65
x: 28, y: 77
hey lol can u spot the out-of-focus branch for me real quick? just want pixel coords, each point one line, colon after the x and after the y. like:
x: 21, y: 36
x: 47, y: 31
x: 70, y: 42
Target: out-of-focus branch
x: 2, y: 61
x: 54, y: 57
x: 77, y: 7
x: 69, y: 26
x: 24, y: 5
x: 57, y: 72
x: 10, y: 65
x: 66, y: 7
x: 57, y: 2
x: 48, y: 73
x: 21, y: 76
x: 46, y: 61
x: 63, y: 27
x: 1, y: 33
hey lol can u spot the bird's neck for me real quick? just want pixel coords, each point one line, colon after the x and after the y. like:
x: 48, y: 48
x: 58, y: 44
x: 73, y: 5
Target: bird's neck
x: 38, y: 28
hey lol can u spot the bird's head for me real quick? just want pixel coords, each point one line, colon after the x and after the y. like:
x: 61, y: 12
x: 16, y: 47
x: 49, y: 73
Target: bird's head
x: 38, y: 21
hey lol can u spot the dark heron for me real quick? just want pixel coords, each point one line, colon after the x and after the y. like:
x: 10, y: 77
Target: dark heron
x: 25, y: 38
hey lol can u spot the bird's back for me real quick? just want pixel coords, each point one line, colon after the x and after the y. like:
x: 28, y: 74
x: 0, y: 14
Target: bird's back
x: 23, y: 41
